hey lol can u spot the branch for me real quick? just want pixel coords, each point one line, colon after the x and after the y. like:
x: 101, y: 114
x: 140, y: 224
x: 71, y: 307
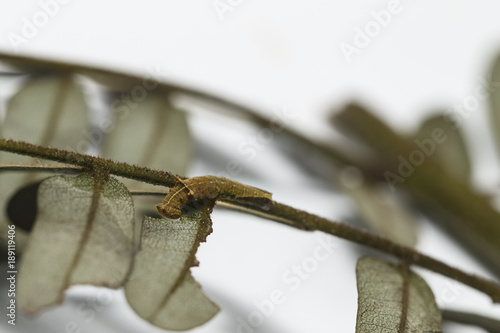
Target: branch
x: 279, y: 212
x: 90, y: 163
x: 489, y: 324
x: 37, y: 64
x: 407, y: 254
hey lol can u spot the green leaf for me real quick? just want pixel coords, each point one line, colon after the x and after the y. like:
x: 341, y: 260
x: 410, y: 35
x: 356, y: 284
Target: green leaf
x: 451, y: 154
x: 161, y: 289
x: 47, y: 110
x: 83, y: 235
x: 390, y: 298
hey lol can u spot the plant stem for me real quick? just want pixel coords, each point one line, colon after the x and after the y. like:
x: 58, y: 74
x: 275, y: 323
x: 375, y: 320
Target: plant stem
x: 40, y: 167
x: 279, y: 212
x: 155, y: 177
x: 489, y: 324
x: 407, y: 254
x: 37, y: 64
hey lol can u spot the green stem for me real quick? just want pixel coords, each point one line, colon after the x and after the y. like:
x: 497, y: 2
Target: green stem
x: 279, y: 212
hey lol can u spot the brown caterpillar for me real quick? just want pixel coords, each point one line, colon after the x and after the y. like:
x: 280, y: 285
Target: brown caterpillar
x: 209, y: 187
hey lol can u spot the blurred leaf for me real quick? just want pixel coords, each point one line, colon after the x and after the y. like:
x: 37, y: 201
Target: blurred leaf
x: 83, y: 235
x: 48, y: 110
x: 494, y: 90
x: 385, y: 214
x: 152, y: 134
x: 451, y: 154
x: 400, y: 164
x: 364, y: 126
x: 161, y: 289
x: 390, y: 298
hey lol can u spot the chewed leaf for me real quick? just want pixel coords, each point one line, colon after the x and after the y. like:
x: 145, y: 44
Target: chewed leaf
x: 83, y: 235
x: 449, y: 150
x: 391, y: 298
x: 161, y: 288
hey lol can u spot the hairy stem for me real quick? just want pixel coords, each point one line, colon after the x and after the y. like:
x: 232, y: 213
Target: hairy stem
x: 155, y: 177
x: 279, y: 212
x: 407, y: 254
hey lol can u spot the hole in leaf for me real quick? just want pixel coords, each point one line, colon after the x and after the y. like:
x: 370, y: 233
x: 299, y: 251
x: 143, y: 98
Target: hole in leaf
x: 22, y: 207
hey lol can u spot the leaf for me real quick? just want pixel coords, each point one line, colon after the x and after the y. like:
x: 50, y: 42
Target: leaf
x: 385, y: 214
x: 452, y: 153
x: 48, y: 110
x: 83, y: 235
x: 389, y: 297
x: 161, y: 289
x: 462, y: 210
x: 364, y: 127
x: 150, y: 133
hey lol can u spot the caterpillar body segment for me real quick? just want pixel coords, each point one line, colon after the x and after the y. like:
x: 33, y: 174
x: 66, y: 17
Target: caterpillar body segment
x: 199, y: 189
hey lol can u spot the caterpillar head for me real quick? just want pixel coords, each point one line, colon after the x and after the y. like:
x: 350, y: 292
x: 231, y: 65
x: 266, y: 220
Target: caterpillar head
x: 169, y: 211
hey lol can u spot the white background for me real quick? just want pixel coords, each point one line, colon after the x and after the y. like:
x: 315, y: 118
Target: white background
x: 275, y: 55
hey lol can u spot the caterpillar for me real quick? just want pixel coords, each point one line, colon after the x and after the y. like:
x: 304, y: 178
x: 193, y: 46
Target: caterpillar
x: 201, y: 188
